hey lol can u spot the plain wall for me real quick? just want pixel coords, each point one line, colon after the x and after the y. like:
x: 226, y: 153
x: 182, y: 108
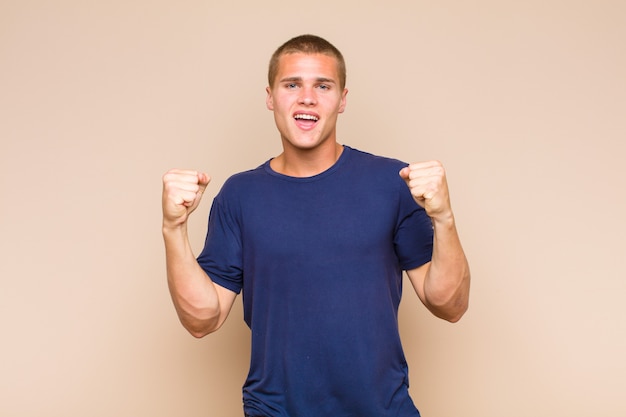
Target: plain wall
x: 524, y: 102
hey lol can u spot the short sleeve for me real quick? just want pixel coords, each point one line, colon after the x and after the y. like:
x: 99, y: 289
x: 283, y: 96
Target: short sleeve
x: 413, y: 238
x: 221, y: 257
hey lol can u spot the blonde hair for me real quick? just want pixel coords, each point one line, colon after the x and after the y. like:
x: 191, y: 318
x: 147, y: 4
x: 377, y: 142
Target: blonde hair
x: 307, y: 44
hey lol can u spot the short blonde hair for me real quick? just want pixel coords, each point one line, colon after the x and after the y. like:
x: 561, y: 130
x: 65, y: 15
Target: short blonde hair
x: 307, y: 44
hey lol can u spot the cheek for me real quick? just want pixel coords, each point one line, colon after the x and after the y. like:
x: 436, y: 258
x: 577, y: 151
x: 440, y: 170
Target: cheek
x: 280, y: 104
x: 336, y: 103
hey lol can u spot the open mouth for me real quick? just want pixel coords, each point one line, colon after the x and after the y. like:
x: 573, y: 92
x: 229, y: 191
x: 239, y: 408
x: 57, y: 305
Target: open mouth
x: 306, y: 117
x: 305, y: 121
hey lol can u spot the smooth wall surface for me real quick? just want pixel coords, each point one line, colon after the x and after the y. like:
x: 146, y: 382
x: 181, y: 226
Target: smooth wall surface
x: 524, y: 102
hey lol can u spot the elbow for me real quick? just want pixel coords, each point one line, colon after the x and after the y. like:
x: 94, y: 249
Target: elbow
x: 197, y: 334
x: 451, y: 309
x: 451, y: 313
x: 198, y: 326
x: 451, y: 304
x: 454, y: 315
x: 199, y: 331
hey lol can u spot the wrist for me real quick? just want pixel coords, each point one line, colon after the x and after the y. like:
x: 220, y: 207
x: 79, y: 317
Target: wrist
x: 170, y: 228
x: 445, y: 220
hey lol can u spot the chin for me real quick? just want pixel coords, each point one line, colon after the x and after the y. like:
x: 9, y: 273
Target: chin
x: 304, y: 144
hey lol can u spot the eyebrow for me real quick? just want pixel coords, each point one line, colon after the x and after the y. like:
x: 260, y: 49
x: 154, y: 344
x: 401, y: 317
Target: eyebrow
x: 299, y: 79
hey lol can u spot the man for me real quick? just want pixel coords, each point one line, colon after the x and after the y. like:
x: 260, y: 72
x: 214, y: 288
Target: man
x: 317, y: 239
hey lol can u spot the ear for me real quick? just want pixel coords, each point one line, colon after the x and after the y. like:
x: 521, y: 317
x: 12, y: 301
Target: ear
x: 269, y: 99
x: 342, y: 105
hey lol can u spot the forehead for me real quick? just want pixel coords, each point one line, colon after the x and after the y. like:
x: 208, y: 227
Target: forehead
x: 300, y: 65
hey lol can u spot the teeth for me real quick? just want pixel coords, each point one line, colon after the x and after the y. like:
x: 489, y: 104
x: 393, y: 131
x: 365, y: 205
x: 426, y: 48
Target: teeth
x: 305, y: 117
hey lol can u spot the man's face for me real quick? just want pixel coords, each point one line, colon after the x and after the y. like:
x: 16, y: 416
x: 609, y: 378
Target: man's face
x: 306, y: 99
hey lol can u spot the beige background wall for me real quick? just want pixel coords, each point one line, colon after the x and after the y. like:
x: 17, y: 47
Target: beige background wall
x: 524, y: 102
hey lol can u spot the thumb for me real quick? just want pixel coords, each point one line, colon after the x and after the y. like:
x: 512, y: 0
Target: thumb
x: 203, y: 180
x: 404, y: 173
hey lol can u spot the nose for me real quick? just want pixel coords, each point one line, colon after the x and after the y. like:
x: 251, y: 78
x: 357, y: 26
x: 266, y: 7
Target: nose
x: 307, y: 97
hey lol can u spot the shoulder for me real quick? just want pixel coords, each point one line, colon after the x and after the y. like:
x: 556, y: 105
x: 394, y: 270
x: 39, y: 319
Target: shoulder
x: 242, y: 183
x: 382, y: 167
x: 371, y: 159
x: 246, y: 178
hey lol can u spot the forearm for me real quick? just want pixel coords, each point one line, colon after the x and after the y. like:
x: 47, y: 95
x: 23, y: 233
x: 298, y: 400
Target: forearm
x: 194, y: 295
x: 447, y: 281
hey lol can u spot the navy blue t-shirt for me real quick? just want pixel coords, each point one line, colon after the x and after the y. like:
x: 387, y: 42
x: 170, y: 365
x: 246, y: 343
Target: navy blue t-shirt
x: 320, y: 260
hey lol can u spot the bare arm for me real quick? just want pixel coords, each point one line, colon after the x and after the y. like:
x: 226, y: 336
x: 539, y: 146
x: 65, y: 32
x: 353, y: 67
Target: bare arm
x: 202, y: 306
x: 442, y: 284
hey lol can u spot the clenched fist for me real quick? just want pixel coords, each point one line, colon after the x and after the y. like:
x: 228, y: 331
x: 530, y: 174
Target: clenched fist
x: 429, y: 187
x: 182, y: 192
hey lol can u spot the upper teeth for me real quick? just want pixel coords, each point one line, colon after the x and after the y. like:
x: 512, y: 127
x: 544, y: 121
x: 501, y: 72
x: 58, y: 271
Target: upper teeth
x: 305, y: 116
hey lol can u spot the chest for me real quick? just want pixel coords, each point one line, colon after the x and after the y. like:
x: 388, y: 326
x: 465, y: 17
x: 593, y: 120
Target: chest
x: 313, y: 221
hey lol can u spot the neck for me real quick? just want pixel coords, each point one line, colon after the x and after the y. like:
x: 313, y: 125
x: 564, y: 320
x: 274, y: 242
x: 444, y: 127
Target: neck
x: 306, y: 162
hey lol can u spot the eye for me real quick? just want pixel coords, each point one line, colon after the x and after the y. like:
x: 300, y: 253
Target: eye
x: 323, y: 87
x: 291, y: 86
